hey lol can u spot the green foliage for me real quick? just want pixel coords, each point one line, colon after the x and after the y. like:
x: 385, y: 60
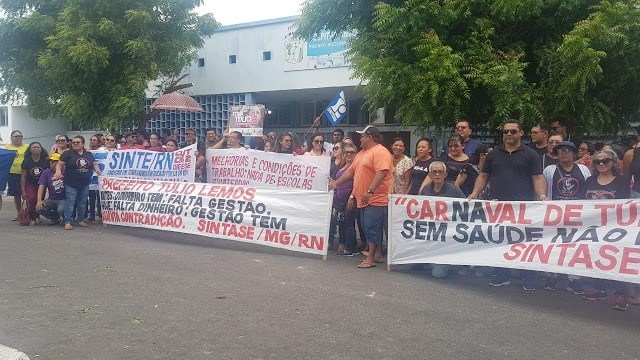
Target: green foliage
x: 437, y: 61
x: 90, y: 61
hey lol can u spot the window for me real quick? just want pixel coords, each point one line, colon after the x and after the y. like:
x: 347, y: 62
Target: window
x: 232, y: 59
x: 281, y: 115
x: 308, y: 113
x: 266, y: 55
x: 358, y: 113
x: 201, y: 62
x: 4, y: 117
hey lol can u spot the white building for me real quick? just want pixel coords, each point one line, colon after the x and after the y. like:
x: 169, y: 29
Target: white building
x: 251, y: 63
x: 16, y: 117
x: 258, y: 63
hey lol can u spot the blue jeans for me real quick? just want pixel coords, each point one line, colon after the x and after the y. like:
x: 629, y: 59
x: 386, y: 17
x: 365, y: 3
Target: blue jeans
x: 76, y: 197
x: 374, y: 222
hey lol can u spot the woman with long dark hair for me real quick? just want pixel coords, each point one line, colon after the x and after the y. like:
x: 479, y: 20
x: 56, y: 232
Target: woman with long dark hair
x: 420, y: 169
x: 402, y: 165
x: 284, y: 144
x: 35, y: 163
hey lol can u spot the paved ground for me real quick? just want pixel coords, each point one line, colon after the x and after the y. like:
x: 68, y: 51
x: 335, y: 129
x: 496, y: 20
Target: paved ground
x: 124, y: 293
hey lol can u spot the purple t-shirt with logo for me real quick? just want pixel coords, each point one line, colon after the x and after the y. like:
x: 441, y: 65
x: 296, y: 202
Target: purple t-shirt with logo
x: 55, y: 187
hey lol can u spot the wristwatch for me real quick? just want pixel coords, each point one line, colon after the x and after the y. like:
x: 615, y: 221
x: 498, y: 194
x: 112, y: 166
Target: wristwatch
x: 369, y: 191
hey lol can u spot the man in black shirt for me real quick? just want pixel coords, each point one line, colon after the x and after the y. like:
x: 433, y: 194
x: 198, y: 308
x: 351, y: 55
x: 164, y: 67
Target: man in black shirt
x: 539, y: 138
x: 516, y: 174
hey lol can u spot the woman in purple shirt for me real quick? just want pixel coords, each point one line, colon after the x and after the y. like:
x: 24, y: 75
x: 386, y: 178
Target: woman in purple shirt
x: 344, y: 212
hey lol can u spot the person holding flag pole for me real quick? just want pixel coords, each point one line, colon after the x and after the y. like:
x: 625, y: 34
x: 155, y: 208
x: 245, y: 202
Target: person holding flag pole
x: 335, y: 112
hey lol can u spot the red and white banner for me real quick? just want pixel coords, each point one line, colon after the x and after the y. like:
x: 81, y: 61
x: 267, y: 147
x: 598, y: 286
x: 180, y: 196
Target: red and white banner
x: 599, y: 239
x: 261, y: 216
x: 267, y: 169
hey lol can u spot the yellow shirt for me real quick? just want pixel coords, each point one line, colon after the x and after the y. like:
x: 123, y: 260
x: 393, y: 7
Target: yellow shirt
x: 17, y: 162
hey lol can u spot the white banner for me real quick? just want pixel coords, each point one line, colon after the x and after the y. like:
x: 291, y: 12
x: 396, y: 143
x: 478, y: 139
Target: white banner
x: 272, y: 170
x: 179, y: 165
x: 260, y: 216
x: 599, y: 239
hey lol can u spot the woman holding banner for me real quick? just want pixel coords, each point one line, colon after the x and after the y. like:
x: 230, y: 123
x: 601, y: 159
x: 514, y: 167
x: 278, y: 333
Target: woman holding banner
x: 605, y: 183
x: 35, y: 163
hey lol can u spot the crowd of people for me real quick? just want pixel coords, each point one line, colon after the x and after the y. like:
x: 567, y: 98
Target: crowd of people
x: 54, y: 183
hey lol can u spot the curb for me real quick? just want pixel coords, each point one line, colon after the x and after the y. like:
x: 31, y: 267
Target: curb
x: 7, y: 353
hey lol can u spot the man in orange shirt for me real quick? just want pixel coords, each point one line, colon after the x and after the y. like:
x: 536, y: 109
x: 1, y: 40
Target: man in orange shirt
x: 371, y: 172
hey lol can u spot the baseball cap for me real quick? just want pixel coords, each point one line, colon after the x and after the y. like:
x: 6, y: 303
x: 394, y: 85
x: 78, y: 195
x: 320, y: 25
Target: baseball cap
x: 54, y: 157
x: 371, y: 131
x: 568, y: 144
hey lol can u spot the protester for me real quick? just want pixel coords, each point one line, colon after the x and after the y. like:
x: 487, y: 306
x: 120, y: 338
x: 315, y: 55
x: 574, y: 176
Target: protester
x: 94, y: 143
x: 585, y: 152
x: 110, y: 143
x: 348, y: 140
x: 171, y: 145
x: 337, y: 160
x: 344, y: 212
x: 620, y: 152
x: 457, y: 160
x: 317, y: 147
x: 166, y: 136
x: 77, y: 164
x: 15, y: 173
x: 337, y: 136
x: 284, y: 144
x: 551, y: 157
x: 371, y: 173
x: 515, y: 173
x: 539, y: 138
x: 143, y: 139
x: 191, y: 137
x: 131, y: 142
x: 53, y: 207
x: 34, y: 164
x: 559, y: 127
x: 122, y: 142
x: 463, y: 129
x: 441, y: 188
x: 211, y: 138
x: 402, y: 165
x: 60, y: 145
x: 420, y: 168
x: 566, y: 181
x: 269, y: 146
x: 606, y: 183
x: 154, y: 143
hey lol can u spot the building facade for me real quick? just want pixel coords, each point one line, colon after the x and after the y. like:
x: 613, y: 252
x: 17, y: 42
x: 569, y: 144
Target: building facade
x: 259, y: 63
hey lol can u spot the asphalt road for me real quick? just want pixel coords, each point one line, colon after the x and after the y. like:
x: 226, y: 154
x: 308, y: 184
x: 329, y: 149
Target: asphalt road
x: 125, y: 293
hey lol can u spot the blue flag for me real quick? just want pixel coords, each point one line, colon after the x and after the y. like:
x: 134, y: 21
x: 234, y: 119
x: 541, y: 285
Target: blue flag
x: 6, y: 159
x: 337, y: 109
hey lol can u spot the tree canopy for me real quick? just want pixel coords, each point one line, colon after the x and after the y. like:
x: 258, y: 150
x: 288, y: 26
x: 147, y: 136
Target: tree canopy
x: 90, y: 61
x: 438, y: 61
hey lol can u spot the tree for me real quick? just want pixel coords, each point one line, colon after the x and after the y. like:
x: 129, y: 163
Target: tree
x: 435, y: 61
x: 90, y: 61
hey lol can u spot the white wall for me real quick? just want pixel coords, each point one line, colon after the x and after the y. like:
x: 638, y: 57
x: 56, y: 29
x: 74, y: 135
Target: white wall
x: 42, y: 131
x: 251, y: 74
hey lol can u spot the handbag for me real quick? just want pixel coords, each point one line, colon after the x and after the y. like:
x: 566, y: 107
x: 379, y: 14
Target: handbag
x: 23, y: 215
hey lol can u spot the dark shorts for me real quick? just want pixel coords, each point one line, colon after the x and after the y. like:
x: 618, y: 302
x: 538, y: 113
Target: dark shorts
x: 13, y: 185
x: 374, y: 223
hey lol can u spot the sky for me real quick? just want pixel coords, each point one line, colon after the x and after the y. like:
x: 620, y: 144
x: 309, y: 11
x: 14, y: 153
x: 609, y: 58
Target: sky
x: 229, y: 12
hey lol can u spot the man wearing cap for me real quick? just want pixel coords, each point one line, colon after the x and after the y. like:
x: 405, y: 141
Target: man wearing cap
x: 131, y: 141
x: 566, y: 181
x: 53, y: 207
x: 371, y: 172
